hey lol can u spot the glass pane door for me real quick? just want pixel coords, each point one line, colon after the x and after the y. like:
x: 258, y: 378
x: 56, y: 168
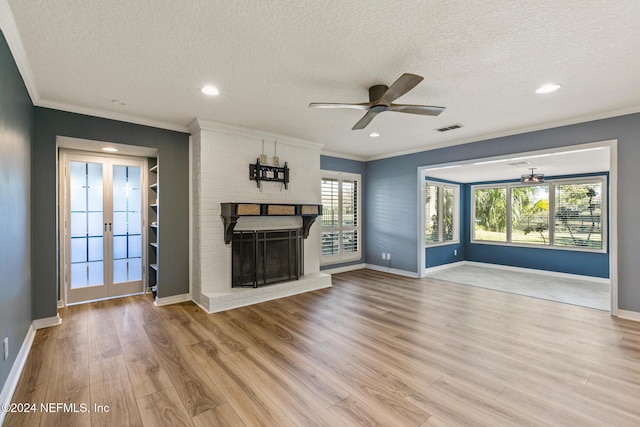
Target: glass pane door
x: 102, y: 226
x: 86, y: 224
x: 127, y: 223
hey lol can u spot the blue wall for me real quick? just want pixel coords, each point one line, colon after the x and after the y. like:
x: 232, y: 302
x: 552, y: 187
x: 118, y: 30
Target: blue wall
x: 440, y: 255
x: 563, y: 261
x: 16, y: 130
x: 391, y: 193
x: 352, y: 166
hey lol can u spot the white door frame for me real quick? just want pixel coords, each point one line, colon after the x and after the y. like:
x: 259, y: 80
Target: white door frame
x: 63, y: 221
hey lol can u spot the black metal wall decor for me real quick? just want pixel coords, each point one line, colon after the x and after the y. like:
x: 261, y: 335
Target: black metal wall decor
x: 259, y: 172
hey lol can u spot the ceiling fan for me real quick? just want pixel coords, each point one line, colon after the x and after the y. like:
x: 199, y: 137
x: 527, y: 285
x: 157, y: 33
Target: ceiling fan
x: 532, y: 178
x: 381, y: 99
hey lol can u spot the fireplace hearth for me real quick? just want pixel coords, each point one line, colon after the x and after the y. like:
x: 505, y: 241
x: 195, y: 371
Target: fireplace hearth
x: 264, y: 257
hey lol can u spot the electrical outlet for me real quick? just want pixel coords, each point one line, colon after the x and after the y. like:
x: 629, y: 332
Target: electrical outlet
x: 384, y: 255
x: 5, y: 348
x: 455, y: 252
x: 388, y: 257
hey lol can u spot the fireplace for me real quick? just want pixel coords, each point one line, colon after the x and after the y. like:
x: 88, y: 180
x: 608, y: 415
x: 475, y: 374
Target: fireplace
x: 266, y: 254
x: 261, y: 258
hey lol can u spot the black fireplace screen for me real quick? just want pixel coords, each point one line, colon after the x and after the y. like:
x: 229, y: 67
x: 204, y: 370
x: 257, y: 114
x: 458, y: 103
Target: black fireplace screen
x: 265, y: 257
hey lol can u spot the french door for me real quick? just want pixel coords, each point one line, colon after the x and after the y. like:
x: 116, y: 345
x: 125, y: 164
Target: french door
x: 102, y: 227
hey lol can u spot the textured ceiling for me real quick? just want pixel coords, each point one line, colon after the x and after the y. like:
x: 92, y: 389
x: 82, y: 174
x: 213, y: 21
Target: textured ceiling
x: 271, y: 58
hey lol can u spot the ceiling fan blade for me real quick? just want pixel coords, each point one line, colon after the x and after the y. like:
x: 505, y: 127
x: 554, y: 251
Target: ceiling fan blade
x: 361, y: 106
x: 404, y: 84
x: 365, y: 120
x: 424, y: 110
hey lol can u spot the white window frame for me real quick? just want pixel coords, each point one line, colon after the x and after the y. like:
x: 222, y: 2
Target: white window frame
x: 456, y: 213
x: 342, y: 256
x: 552, y: 183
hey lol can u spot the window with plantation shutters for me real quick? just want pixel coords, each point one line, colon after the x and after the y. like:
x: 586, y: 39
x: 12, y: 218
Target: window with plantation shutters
x: 330, y: 211
x: 340, y: 217
x: 442, y: 204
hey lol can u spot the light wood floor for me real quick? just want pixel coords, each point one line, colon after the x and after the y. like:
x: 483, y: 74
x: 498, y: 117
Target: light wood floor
x: 375, y: 349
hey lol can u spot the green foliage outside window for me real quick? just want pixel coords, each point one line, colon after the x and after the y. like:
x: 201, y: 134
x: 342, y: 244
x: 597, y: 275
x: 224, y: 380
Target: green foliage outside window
x: 578, y: 214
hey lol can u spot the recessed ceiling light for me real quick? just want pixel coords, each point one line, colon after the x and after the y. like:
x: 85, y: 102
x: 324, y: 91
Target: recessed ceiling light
x: 210, y: 90
x: 548, y: 88
x: 374, y: 134
x: 109, y: 149
x: 118, y: 102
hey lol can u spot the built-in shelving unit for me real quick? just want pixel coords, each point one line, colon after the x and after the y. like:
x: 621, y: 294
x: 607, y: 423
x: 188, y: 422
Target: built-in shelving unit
x: 154, y: 221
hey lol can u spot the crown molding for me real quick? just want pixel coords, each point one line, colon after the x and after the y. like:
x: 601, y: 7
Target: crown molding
x: 10, y: 31
x: 14, y: 41
x: 201, y: 124
x: 511, y: 132
x: 343, y: 156
x: 96, y: 112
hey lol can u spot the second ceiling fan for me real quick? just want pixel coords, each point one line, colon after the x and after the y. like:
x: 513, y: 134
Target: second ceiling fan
x: 381, y: 99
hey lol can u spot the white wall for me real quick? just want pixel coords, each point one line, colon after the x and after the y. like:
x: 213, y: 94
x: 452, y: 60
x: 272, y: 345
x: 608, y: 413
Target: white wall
x: 220, y: 173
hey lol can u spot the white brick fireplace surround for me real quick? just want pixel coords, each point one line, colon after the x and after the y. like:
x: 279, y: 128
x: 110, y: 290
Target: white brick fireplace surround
x: 220, y: 158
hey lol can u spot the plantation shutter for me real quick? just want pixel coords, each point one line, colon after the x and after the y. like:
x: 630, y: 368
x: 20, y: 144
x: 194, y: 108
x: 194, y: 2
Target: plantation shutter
x: 330, y: 221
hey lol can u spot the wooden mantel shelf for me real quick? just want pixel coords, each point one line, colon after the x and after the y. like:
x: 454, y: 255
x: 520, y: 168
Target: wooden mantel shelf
x: 230, y: 212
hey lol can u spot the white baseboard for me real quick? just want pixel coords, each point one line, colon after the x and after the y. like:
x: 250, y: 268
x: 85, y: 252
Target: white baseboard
x: 60, y: 303
x: 629, y: 315
x: 393, y: 271
x: 443, y: 266
x: 174, y: 299
x: 542, y: 272
x: 47, y: 322
x: 344, y: 269
x: 14, y: 375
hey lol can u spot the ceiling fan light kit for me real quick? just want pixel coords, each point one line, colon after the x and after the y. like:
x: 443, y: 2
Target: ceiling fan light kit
x: 532, y: 178
x: 381, y: 99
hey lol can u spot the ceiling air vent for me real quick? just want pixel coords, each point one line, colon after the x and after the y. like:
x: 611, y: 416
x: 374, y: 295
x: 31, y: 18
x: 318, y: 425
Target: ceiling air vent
x: 448, y: 128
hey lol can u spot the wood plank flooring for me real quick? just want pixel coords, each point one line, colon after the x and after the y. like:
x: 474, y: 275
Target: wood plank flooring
x: 375, y: 349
